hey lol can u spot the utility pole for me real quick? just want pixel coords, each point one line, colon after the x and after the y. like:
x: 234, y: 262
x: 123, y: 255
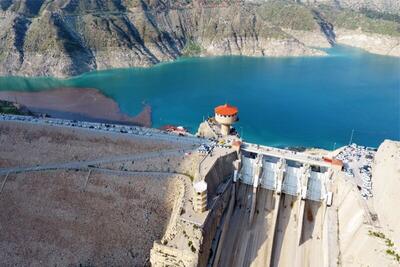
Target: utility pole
x: 351, y: 137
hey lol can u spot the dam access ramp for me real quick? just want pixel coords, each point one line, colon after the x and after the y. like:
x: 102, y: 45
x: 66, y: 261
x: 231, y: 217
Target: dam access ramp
x: 279, y: 210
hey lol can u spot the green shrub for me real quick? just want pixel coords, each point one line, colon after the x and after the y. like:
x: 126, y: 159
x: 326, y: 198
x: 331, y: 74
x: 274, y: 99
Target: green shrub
x: 192, y: 48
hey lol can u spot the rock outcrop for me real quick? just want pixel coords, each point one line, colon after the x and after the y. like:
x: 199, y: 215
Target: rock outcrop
x: 67, y: 37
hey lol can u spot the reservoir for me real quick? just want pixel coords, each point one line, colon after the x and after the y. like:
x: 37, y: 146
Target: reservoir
x: 306, y: 101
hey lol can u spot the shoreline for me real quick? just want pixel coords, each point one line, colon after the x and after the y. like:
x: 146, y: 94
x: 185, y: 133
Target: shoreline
x: 87, y: 104
x: 324, y: 53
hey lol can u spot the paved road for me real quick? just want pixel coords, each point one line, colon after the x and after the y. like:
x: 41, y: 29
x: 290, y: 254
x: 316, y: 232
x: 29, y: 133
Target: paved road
x: 133, y: 173
x: 139, y: 132
x: 286, y: 154
x: 89, y: 163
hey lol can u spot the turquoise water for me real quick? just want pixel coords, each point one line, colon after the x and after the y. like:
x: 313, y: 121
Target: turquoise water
x: 282, y: 101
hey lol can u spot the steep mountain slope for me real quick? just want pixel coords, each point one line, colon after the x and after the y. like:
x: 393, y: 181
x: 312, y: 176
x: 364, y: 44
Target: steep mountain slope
x: 69, y: 37
x: 390, y: 6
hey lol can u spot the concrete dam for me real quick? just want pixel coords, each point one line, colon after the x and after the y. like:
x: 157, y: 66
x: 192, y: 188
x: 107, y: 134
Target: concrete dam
x: 261, y: 206
x: 210, y: 200
x: 251, y: 205
x: 278, y: 207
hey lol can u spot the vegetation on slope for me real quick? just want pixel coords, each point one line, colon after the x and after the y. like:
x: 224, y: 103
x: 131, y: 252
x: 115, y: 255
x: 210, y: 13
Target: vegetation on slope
x: 288, y: 15
x: 192, y: 48
x: 389, y: 244
x: 7, y: 107
x: 371, y: 22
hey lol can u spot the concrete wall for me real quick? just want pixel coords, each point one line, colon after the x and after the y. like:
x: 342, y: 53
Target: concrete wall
x: 212, y: 223
x: 225, y: 119
x: 162, y: 255
x: 221, y: 170
x: 173, y: 250
x: 386, y: 187
x: 357, y: 247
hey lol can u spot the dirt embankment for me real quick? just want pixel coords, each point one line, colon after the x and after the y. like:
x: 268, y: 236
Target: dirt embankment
x: 77, y: 103
x: 52, y: 219
x: 28, y: 144
x: 76, y: 217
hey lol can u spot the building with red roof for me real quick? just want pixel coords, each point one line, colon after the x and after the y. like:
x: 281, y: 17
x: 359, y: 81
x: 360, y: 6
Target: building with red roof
x: 226, y: 115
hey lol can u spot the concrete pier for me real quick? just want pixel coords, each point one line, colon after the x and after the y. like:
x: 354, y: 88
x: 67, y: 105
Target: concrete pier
x: 303, y: 194
x: 257, y: 170
x: 276, y: 205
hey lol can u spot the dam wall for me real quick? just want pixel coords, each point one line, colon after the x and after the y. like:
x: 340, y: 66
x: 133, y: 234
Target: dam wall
x: 221, y: 169
x: 213, y: 222
x: 189, y: 235
x: 356, y: 246
x: 386, y: 184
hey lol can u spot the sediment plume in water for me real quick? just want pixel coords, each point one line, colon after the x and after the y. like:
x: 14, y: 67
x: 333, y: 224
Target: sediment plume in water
x: 77, y: 104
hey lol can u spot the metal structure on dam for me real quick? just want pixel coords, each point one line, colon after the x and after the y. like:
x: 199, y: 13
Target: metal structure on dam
x: 292, y: 174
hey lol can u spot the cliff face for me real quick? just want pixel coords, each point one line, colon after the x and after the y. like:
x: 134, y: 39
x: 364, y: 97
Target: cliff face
x: 386, y: 181
x: 69, y: 37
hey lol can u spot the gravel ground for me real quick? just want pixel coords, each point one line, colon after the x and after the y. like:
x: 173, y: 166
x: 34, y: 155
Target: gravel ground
x: 50, y: 219
x: 30, y: 144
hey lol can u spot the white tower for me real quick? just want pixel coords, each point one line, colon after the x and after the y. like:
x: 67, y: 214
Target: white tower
x: 200, y: 196
x: 226, y: 115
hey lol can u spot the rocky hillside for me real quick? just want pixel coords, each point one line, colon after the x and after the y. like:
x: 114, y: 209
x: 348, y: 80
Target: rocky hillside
x: 383, y: 6
x: 69, y: 37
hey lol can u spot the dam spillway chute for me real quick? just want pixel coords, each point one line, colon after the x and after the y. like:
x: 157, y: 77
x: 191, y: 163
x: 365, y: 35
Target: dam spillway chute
x: 279, y: 215
x: 316, y: 189
x: 291, y: 180
x: 269, y: 174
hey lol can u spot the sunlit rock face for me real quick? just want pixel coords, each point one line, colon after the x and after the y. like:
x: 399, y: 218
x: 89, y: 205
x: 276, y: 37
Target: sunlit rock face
x: 66, y: 37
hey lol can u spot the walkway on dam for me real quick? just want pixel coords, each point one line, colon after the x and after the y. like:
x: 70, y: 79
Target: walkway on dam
x: 285, y: 154
x: 281, y: 233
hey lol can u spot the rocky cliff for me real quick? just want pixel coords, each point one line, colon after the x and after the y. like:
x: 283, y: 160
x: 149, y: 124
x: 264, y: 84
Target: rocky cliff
x: 69, y: 37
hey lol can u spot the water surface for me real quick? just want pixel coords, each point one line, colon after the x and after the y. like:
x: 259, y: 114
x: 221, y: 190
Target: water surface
x: 307, y: 101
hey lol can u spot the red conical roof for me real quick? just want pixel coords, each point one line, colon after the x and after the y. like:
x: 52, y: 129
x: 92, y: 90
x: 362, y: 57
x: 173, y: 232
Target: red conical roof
x: 226, y: 110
